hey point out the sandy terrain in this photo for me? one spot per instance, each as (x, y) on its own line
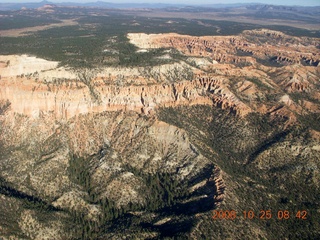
(218, 17)
(29, 30)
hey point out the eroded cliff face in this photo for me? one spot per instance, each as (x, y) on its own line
(67, 98)
(119, 148)
(255, 43)
(35, 86)
(80, 146)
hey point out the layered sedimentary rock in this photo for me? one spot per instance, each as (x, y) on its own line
(220, 186)
(32, 96)
(226, 48)
(34, 86)
(76, 138)
(221, 49)
(68, 102)
(296, 78)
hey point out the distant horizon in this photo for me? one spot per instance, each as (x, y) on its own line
(185, 2)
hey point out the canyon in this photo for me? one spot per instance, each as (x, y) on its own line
(149, 151)
(34, 85)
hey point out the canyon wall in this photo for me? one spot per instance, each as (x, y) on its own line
(34, 86)
(237, 49)
(31, 98)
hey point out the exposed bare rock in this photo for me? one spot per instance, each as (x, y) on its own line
(220, 187)
(216, 47)
(153, 144)
(122, 131)
(74, 201)
(14, 65)
(47, 8)
(297, 78)
(65, 101)
(226, 49)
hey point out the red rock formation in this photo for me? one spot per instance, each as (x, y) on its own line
(220, 186)
(32, 94)
(296, 78)
(31, 98)
(224, 49)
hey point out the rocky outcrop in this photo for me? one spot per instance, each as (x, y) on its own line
(220, 187)
(34, 86)
(296, 78)
(65, 101)
(221, 49)
(14, 65)
(72, 140)
(281, 47)
(117, 143)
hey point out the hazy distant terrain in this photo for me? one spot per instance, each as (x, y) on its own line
(159, 121)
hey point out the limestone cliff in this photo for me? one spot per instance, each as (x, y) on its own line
(85, 151)
(230, 48)
(67, 98)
